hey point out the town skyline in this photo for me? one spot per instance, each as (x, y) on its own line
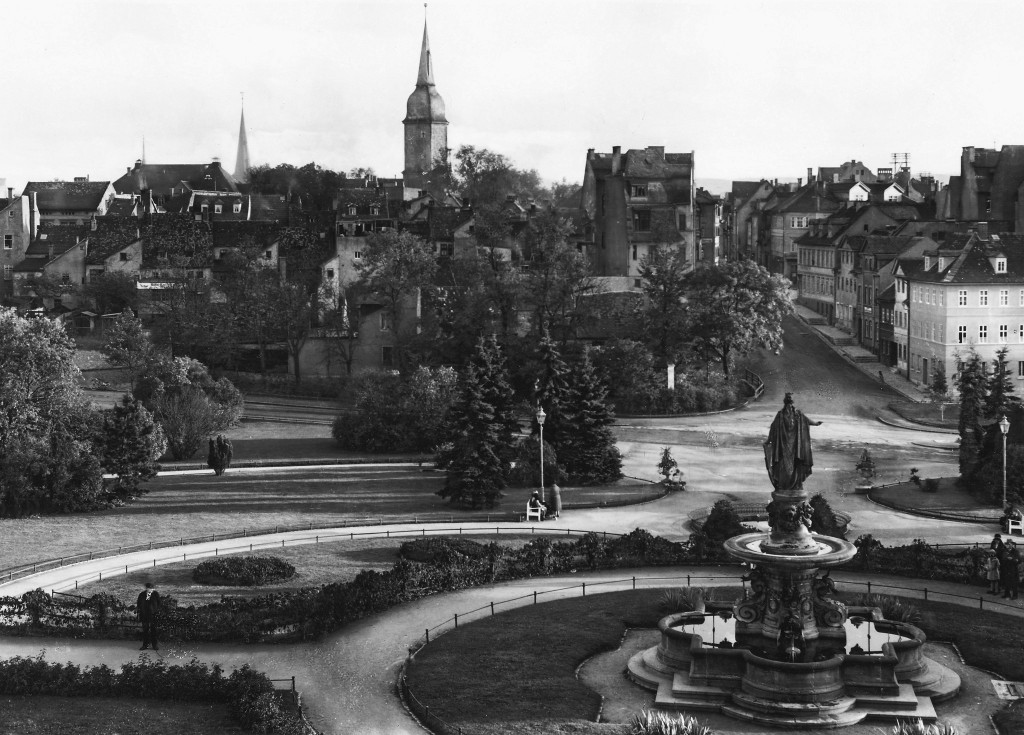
(331, 85)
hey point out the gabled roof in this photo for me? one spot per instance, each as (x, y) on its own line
(160, 178)
(268, 207)
(112, 234)
(121, 207)
(57, 239)
(973, 256)
(236, 234)
(807, 199)
(67, 195)
(654, 163)
(743, 190)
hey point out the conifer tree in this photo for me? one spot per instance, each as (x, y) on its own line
(587, 446)
(552, 391)
(1000, 387)
(970, 382)
(478, 460)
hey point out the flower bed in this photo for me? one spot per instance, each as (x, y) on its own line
(243, 571)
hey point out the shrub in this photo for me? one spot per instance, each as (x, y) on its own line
(823, 519)
(219, 457)
(664, 723)
(891, 608)
(243, 571)
(903, 727)
(683, 599)
(432, 550)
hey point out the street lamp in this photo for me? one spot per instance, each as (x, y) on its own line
(540, 422)
(1004, 426)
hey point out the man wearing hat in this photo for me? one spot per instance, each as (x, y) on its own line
(147, 607)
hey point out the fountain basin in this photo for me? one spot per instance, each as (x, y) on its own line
(830, 552)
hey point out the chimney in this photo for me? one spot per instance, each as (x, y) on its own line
(810, 175)
(983, 230)
(92, 223)
(10, 192)
(616, 160)
(799, 183)
(34, 215)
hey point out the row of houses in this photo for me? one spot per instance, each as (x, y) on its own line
(917, 273)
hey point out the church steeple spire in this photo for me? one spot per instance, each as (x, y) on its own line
(426, 134)
(242, 163)
(426, 73)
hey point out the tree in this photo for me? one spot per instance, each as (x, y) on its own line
(478, 461)
(558, 278)
(999, 388)
(395, 267)
(126, 344)
(112, 292)
(188, 417)
(220, 454)
(586, 446)
(667, 466)
(486, 177)
(552, 392)
(47, 461)
(938, 388)
(970, 383)
(663, 271)
(130, 444)
(342, 322)
(733, 307)
(297, 308)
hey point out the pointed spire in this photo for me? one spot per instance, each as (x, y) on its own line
(426, 74)
(242, 164)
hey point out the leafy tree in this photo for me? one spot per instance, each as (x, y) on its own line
(47, 460)
(130, 444)
(396, 267)
(251, 286)
(668, 467)
(526, 472)
(112, 292)
(970, 382)
(586, 446)
(126, 344)
(999, 388)
(939, 387)
(627, 367)
(558, 278)
(297, 308)
(188, 417)
(733, 307)
(342, 321)
(487, 177)
(311, 185)
(663, 271)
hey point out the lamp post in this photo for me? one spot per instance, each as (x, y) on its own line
(540, 422)
(1004, 426)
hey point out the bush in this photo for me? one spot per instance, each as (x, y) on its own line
(219, 457)
(664, 723)
(243, 571)
(441, 549)
(823, 519)
(903, 727)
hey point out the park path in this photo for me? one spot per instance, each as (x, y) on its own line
(348, 678)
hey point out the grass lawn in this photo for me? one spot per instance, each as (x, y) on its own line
(315, 564)
(506, 673)
(112, 716)
(195, 505)
(948, 497)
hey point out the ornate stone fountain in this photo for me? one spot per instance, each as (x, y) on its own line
(788, 654)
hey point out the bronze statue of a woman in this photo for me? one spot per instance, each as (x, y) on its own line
(787, 453)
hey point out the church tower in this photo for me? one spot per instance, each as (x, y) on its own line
(242, 164)
(426, 128)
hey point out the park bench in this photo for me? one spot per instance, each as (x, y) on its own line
(534, 513)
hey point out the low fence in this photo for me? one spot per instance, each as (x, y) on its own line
(436, 724)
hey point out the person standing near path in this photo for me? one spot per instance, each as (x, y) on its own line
(999, 549)
(1011, 571)
(147, 607)
(992, 572)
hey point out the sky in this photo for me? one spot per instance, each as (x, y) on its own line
(758, 89)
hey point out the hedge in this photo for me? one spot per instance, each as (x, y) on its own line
(248, 692)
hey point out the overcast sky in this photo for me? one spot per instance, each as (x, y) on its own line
(757, 89)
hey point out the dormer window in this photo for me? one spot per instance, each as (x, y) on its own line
(638, 191)
(352, 211)
(1000, 265)
(237, 207)
(217, 208)
(204, 207)
(375, 210)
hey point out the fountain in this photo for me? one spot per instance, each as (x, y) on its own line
(788, 654)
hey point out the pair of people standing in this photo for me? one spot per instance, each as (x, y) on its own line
(1002, 568)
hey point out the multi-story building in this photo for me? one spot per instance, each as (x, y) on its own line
(637, 200)
(70, 202)
(988, 188)
(17, 228)
(744, 203)
(966, 294)
(709, 217)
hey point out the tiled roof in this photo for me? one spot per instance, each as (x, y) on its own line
(237, 234)
(973, 264)
(160, 178)
(807, 199)
(743, 190)
(67, 195)
(444, 221)
(123, 208)
(653, 163)
(268, 206)
(59, 238)
(112, 234)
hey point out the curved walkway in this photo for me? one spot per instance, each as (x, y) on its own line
(348, 678)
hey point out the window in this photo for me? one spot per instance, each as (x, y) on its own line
(218, 208)
(357, 255)
(374, 210)
(387, 357)
(680, 221)
(268, 254)
(385, 322)
(352, 211)
(204, 207)
(983, 297)
(983, 333)
(798, 222)
(634, 252)
(447, 249)
(8, 242)
(1004, 297)
(237, 207)
(963, 297)
(1001, 265)
(330, 274)
(1003, 332)
(638, 190)
(1020, 368)
(642, 220)
(123, 257)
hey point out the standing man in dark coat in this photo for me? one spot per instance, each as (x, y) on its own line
(787, 453)
(147, 607)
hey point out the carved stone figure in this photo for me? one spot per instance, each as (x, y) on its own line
(828, 611)
(787, 453)
(786, 518)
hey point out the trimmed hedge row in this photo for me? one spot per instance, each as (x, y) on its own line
(243, 571)
(248, 692)
(312, 612)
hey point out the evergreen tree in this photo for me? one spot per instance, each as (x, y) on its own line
(970, 382)
(479, 458)
(587, 446)
(131, 442)
(1000, 386)
(220, 454)
(552, 391)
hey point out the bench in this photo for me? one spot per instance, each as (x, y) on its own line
(1015, 524)
(534, 513)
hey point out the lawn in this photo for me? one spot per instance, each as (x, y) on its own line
(516, 672)
(948, 498)
(112, 716)
(186, 506)
(315, 564)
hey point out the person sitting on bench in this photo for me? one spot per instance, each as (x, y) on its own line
(535, 503)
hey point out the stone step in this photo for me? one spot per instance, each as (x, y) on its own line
(789, 721)
(906, 699)
(793, 709)
(638, 670)
(864, 358)
(683, 687)
(925, 710)
(936, 681)
(666, 698)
